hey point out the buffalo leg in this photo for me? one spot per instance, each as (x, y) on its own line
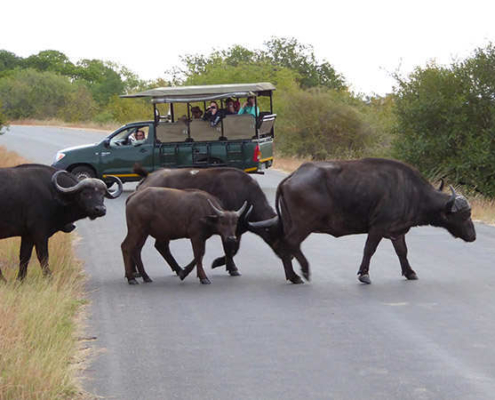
(136, 256)
(372, 243)
(187, 270)
(230, 251)
(42, 254)
(198, 246)
(290, 275)
(228, 259)
(24, 256)
(127, 247)
(164, 249)
(401, 251)
(304, 263)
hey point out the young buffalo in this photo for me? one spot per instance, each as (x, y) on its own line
(168, 214)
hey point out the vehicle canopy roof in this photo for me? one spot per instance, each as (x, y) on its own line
(190, 94)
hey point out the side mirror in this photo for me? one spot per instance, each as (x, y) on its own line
(106, 142)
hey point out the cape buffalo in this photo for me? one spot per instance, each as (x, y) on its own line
(383, 198)
(231, 186)
(38, 201)
(168, 214)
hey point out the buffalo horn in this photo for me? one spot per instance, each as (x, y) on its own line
(248, 213)
(117, 192)
(217, 210)
(74, 189)
(451, 201)
(264, 224)
(242, 209)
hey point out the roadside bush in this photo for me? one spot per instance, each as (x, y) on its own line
(79, 105)
(322, 124)
(128, 110)
(446, 121)
(43, 95)
(3, 120)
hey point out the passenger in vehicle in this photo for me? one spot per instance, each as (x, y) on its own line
(249, 107)
(196, 112)
(229, 107)
(212, 114)
(138, 137)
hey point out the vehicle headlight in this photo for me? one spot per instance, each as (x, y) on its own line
(59, 156)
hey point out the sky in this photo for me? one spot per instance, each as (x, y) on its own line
(365, 41)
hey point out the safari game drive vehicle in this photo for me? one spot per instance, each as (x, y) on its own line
(239, 141)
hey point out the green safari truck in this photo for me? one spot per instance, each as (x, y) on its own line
(243, 141)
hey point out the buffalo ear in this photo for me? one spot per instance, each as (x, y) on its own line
(440, 188)
(210, 220)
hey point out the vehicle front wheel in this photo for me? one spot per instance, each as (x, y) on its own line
(83, 172)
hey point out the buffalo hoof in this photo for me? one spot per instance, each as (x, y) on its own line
(136, 275)
(133, 281)
(182, 275)
(365, 278)
(412, 276)
(147, 279)
(307, 275)
(218, 262)
(235, 273)
(205, 281)
(296, 280)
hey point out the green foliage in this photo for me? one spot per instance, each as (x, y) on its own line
(128, 110)
(8, 61)
(31, 94)
(289, 53)
(445, 120)
(322, 123)
(279, 54)
(50, 60)
(3, 120)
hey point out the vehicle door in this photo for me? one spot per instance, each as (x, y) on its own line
(125, 148)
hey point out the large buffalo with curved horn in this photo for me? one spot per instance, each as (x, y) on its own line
(38, 201)
(383, 198)
(169, 214)
(231, 186)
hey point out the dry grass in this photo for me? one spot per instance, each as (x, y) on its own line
(38, 342)
(288, 164)
(107, 127)
(483, 209)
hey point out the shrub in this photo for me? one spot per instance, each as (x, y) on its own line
(446, 121)
(321, 124)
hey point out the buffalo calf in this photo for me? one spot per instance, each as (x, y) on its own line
(168, 214)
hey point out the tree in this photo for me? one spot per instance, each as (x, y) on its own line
(42, 95)
(50, 60)
(3, 120)
(278, 54)
(289, 53)
(8, 62)
(101, 78)
(323, 123)
(446, 120)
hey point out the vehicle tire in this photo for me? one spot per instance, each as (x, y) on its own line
(83, 172)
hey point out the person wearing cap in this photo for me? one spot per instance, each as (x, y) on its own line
(249, 107)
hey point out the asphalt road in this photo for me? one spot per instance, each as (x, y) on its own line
(258, 337)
